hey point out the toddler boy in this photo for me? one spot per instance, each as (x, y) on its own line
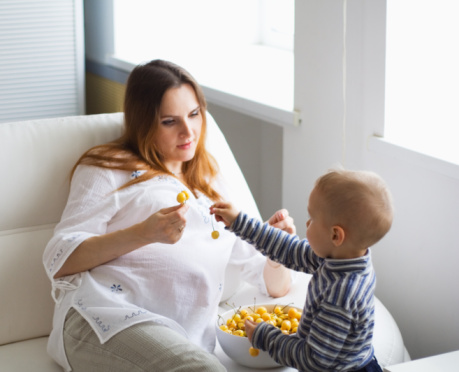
(349, 211)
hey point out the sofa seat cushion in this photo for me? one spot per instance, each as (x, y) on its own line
(27, 355)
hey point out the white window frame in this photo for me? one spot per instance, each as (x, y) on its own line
(374, 53)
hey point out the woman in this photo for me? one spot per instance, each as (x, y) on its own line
(137, 278)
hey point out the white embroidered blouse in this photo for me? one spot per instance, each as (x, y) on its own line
(177, 285)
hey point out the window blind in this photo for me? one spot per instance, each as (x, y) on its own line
(41, 59)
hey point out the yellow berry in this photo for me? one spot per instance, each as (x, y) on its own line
(239, 333)
(215, 234)
(254, 352)
(243, 313)
(181, 197)
(266, 316)
(261, 310)
(224, 327)
(286, 325)
(292, 312)
(298, 315)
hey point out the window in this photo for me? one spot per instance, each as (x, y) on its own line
(277, 25)
(422, 76)
(241, 48)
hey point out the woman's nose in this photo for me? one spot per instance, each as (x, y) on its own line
(186, 128)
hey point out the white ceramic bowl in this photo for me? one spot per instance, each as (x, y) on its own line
(237, 348)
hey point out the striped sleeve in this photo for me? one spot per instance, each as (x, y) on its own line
(278, 245)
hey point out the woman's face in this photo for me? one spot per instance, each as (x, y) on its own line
(180, 123)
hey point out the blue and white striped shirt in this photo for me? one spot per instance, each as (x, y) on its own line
(336, 327)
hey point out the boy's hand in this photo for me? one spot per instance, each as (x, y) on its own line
(249, 328)
(224, 212)
(283, 221)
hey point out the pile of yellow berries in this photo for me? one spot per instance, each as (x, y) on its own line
(286, 320)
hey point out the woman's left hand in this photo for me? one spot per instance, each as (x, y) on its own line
(283, 221)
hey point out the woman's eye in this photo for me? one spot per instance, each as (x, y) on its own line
(167, 122)
(195, 113)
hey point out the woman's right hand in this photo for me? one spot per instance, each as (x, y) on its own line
(165, 226)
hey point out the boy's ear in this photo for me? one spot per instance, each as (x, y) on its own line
(338, 235)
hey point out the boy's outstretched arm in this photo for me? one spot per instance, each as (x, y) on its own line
(224, 212)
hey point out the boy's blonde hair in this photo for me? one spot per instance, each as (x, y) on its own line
(359, 202)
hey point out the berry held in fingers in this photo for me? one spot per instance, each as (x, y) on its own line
(183, 196)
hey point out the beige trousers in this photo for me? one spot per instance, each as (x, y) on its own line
(139, 348)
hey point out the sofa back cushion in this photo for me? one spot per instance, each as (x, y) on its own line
(36, 158)
(35, 161)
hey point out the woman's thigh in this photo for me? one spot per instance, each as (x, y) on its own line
(139, 348)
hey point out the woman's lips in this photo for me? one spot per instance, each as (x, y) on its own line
(185, 146)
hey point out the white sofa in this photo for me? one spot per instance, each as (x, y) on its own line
(35, 161)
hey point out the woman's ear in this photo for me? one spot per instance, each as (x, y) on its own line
(338, 235)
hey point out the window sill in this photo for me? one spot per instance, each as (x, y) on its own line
(384, 147)
(268, 97)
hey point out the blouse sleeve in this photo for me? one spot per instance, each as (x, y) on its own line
(91, 204)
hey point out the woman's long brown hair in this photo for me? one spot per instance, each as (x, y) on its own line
(135, 149)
